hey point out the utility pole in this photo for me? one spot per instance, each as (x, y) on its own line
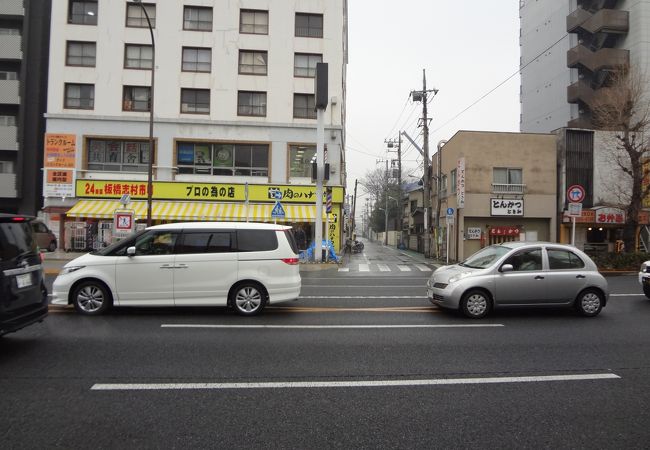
(421, 96)
(354, 208)
(400, 208)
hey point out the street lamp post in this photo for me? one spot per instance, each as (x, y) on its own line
(151, 152)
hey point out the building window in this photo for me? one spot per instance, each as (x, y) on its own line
(197, 18)
(117, 155)
(304, 106)
(304, 64)
(4, 31)
(135, 16)
(309, 25)
(8, 75)
(453, 181)
(7, 121)
(138, 56)
(79, 96)
(507, 180)
(301, 158)
(197, 59)
(136, 98)
(251, 103)
(195, 101)
(252, 21)
(80, 53)
(223, 159)
(82, 12)
(252, 62)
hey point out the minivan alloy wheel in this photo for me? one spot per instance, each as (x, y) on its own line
(248, 299)
(91, 298)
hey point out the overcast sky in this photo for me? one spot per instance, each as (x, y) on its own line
(467, 48)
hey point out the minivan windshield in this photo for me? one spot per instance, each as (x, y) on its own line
(16, 239)
(108, 251)
(485, 257)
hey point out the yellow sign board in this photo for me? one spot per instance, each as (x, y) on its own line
(171, 190)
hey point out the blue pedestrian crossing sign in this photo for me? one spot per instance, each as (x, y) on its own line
(278, 211)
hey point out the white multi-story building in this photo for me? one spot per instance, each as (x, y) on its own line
(233, 106)
(568, 50)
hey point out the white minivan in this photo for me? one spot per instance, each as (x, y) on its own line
(241, 265)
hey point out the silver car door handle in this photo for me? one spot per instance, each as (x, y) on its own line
(539, 277)
(580, 276)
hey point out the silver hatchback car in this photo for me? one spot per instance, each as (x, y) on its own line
(520, 274)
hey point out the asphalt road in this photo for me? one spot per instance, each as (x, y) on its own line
(361, 360)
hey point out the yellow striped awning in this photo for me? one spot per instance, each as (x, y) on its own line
(171, 210)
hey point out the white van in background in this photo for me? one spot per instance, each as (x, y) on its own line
(241, 265)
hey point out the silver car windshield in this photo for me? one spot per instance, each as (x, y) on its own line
(485, 257)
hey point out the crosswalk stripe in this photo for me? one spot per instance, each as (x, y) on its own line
(423, 268)
(364, 267)
(344, 269)
(404, 268)
(383, 268)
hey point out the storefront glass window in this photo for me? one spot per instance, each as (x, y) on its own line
(117, 156)
(301, 158)
(222, 159)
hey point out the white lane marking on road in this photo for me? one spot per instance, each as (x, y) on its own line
(362, 296)
(423, 268)
(347, 384)
(344, 269)
(329, 327)
(364, 286)
(404, 268)
(383, 268)
(364, 267)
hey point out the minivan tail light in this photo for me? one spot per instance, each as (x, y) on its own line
(18, 219)
(291, 261)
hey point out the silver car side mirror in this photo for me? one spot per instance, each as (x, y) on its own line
(130, 251)
(507, 268)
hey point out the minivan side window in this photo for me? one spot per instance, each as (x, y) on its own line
(157, 242)
(564, 259)
(256, 240)
(205, 242)
(16, 239)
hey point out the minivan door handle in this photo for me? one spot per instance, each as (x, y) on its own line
(580, 276)
(181, 266)
(166, 266)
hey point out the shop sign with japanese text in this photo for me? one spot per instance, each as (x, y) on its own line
(60, 150)
(610, 215)
(169, 190)
(58, 183)
(505, 231)
(460, 182)
(506, 207)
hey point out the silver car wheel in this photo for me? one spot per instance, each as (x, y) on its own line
(90, 298)
(590, 303)
(248, 300)
(476, 304)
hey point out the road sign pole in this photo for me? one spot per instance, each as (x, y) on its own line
(573, 230)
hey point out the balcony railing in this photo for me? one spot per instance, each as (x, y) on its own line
(8, 185)
(8, 137)
(12, 8)
(501, 188)
(605, 21)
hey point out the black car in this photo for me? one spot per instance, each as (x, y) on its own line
(23, 296)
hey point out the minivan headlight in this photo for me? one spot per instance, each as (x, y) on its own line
(460, 276)
(70, 269)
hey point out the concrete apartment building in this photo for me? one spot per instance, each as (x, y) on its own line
(568, 49)
(24, 35)
(498, 187)
(235, 126)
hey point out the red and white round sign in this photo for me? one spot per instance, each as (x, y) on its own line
(575, 193)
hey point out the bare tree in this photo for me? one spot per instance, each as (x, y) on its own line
(623, 108)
